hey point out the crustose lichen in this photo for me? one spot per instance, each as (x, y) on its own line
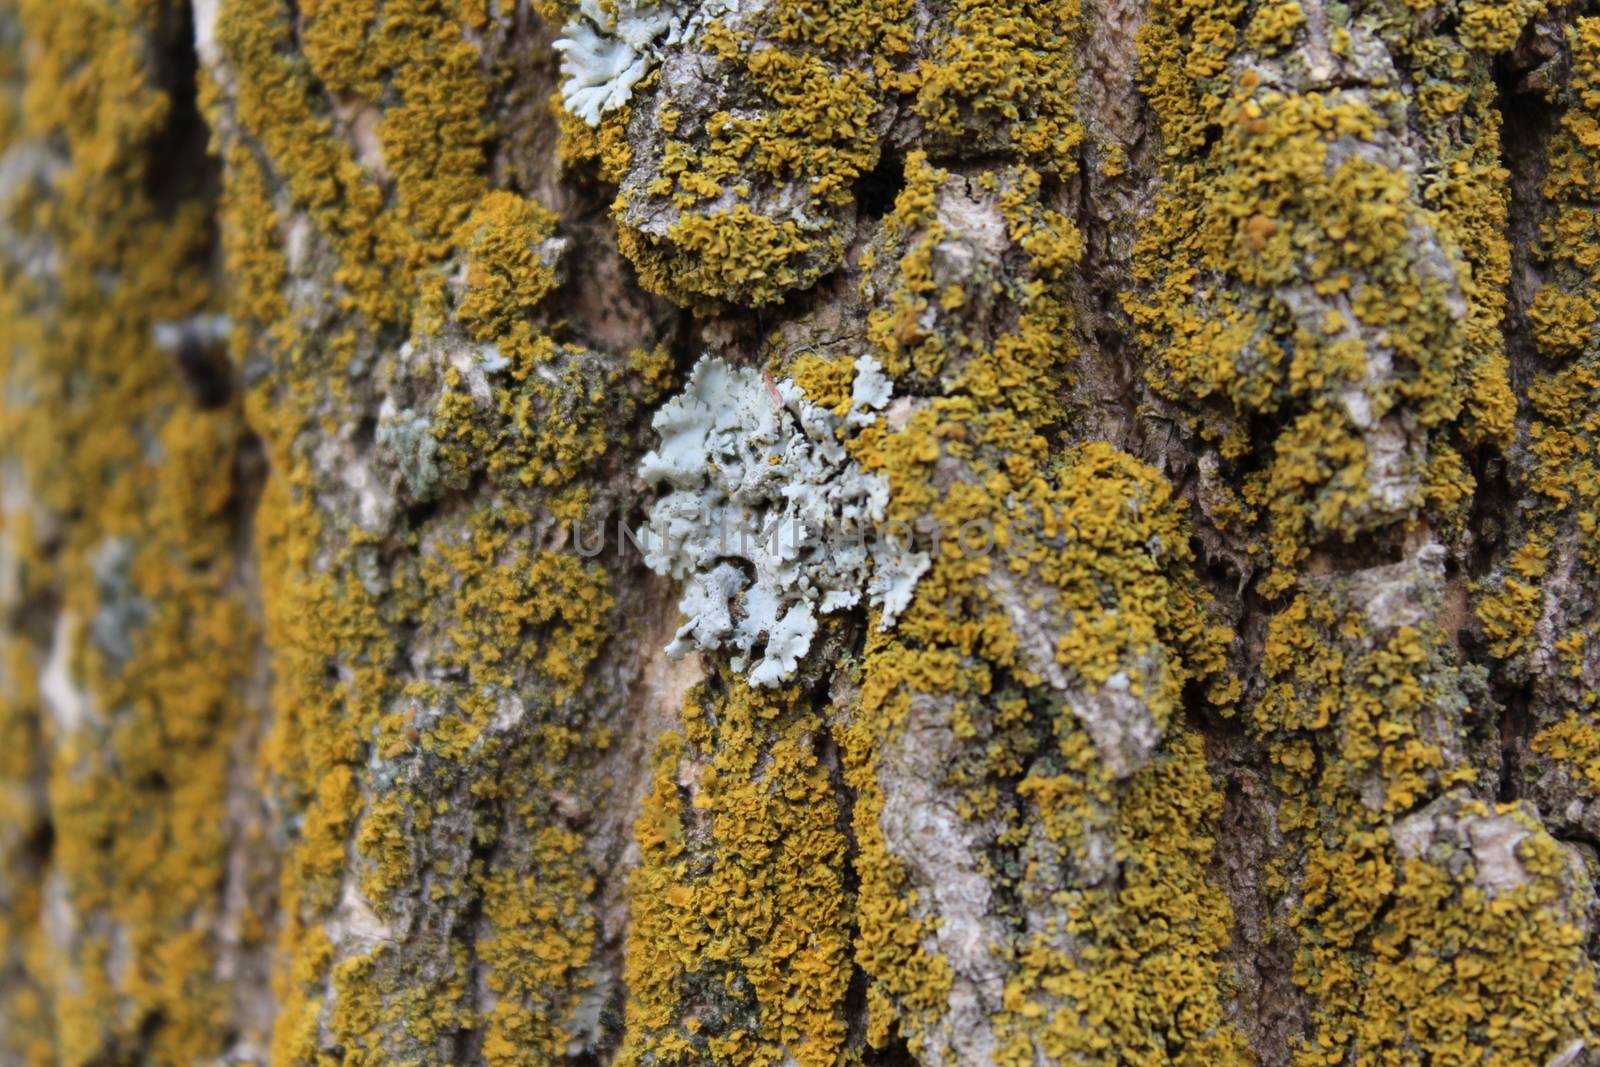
(769, 521)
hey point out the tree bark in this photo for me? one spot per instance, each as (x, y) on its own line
(1227, 377)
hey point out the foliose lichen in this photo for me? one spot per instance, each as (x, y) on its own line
(430, 430)
(1325, 323)
(769, 520)
(606, 49)
(118, 532)
(738, 948)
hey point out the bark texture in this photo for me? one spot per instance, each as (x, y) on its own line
(1243, 364)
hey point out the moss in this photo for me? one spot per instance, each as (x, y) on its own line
(1295, 263)
(252, 256)
(1372, 693)
(737, 254)
(276, 103)
(484, 602)
(1002, 73)
(1406, 955)
(926, 344)
(24, 1009)
(1150, 948)
(390, 217)
(1575, 742)
(825, 382)
(574, 400)
(1495, 27)
(495, 595)
(543, 938)
(1508, 610)
(954, 646)
(506, 279)
(799, 124)
(1326, 322)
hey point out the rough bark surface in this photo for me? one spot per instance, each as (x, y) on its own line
(1239, 416)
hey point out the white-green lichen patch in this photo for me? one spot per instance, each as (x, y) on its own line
(606, 50)
(768, 521)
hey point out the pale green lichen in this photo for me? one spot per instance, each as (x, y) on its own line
(605, 51)
(433, 671)
(768, 519)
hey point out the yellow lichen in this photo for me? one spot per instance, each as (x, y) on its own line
(1277, 218)
(739, 944)
(109, 442)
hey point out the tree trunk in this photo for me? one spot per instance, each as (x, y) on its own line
(1215, 387)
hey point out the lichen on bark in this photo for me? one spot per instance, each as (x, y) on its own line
(1224, 373)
